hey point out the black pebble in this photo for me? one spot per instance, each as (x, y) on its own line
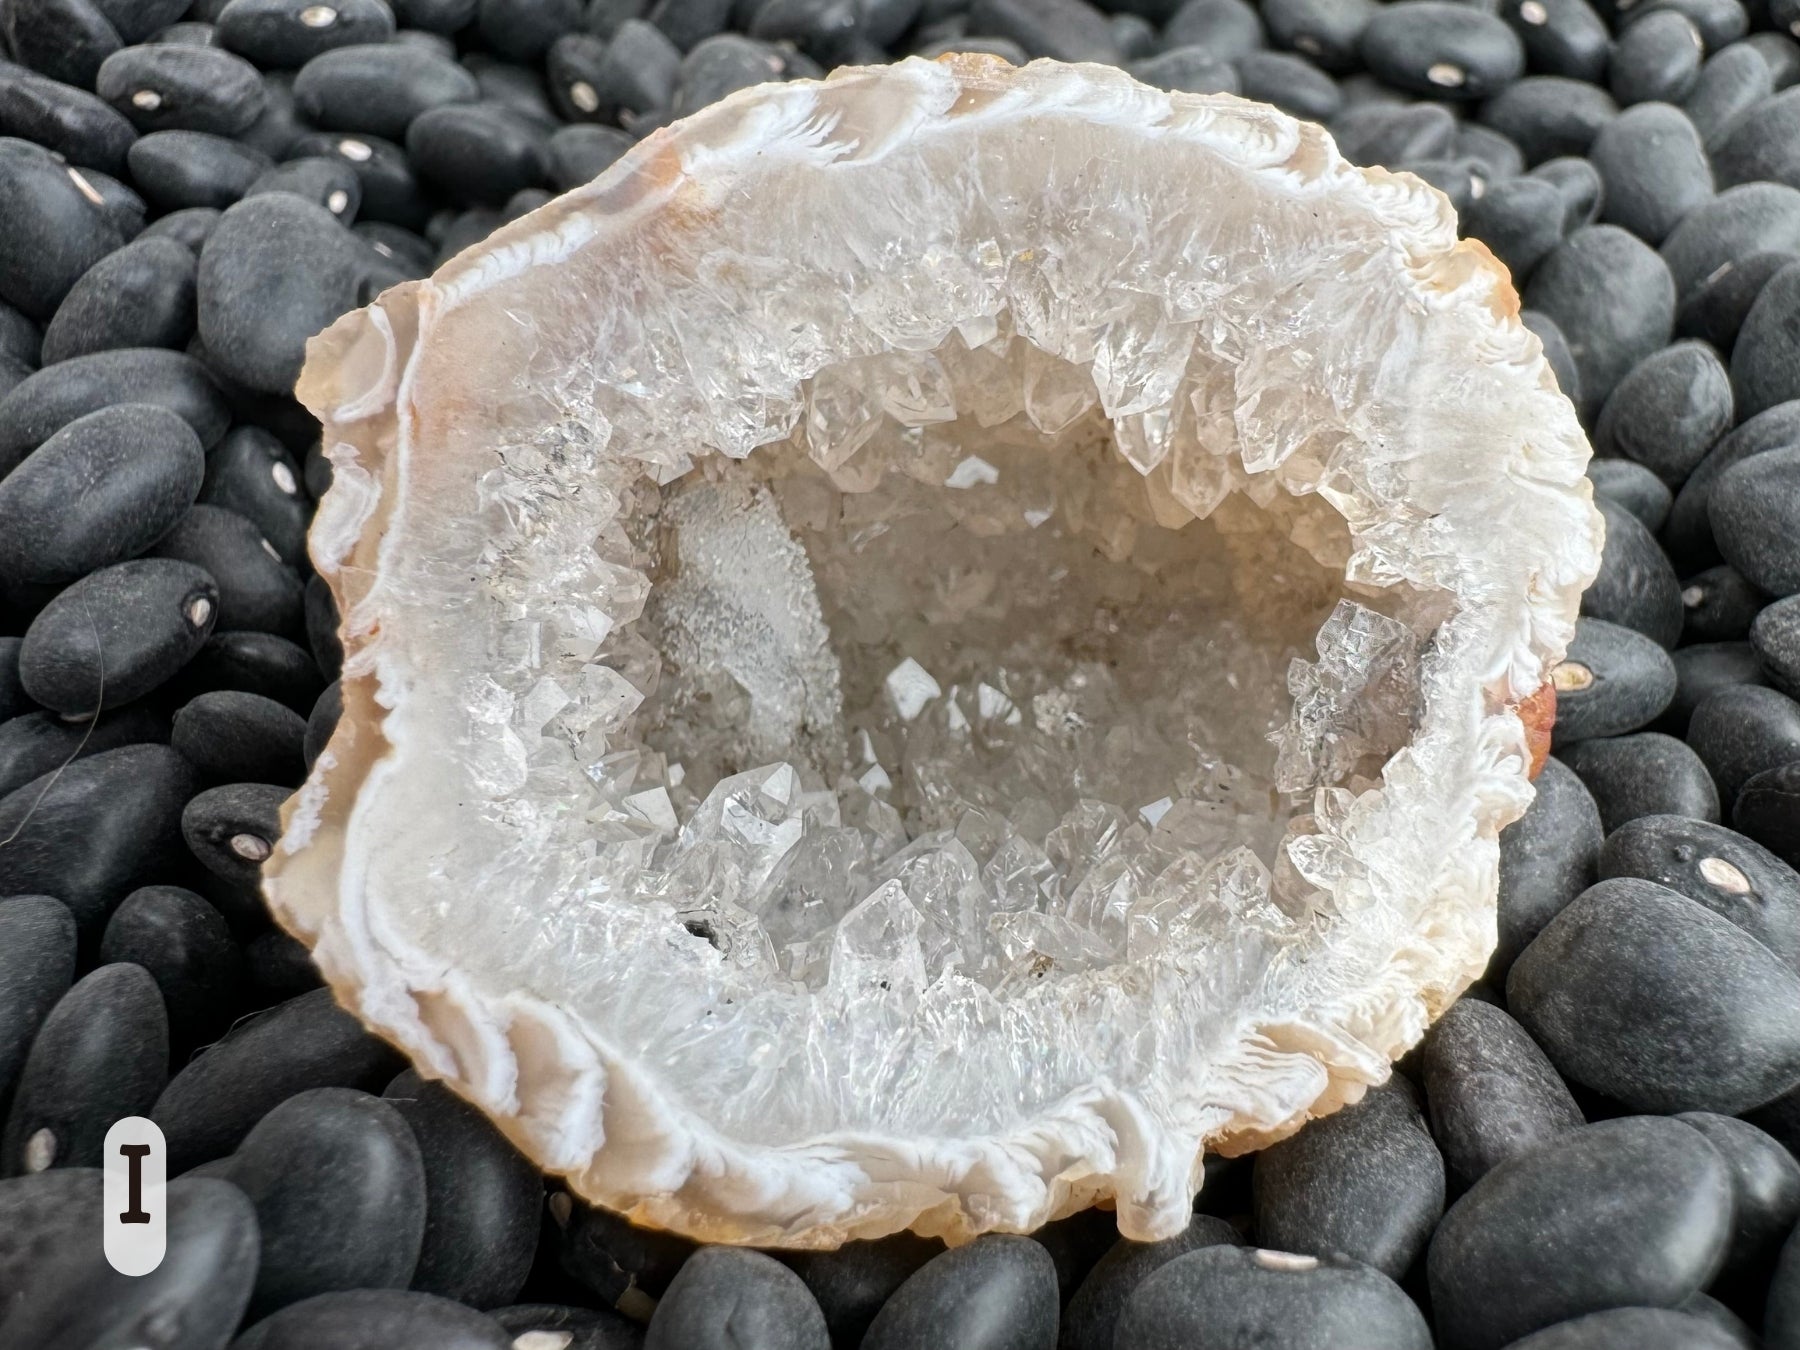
(1240, 1298)
(1444, 50)
(483, 1200)
(188, 227)
(241, 737)
(1716, 310)
(1327, 32)
(1737, 224)
(70, 121)
(1765, 360)
(379, 89)
(307, 1042)
(257, 310)
(1632, 486)
(1743, 730)
(1612, 680)
(1656, 59)
(1730, 83)
(186, 947)
(141, 296)
(1492, 1093)
(1654, 168)
(55, 231)
(179, 170)
(1639, 993)
(95, 830)
(439, 18)
(588, 1328)
(725, 1297)
(1063, 30)
(1389, 133)
(1548, 116)
(136, 20)
(64, 39)
(1700, 671)
(1189, 70)
(117, 634)
(322, 626)
(1612, 297)
(1719, 22)
(613, 1258)
(1688, 535)
(853, 1281)
(1631, 1211)
(1089, 1321)
(1775, 637)
(1636, 587)
(37, 963)
(727, 63)
(1718, 868)
(1366, 1183)
(1561, 37)
(522, 30)
(182, 88)
(256, 589)
(477, 153)
(1633, 1329)
(390, 192)
(1077, 1241)
(1556, 353)
(323, 721)
(280, 966)
(252, 473)
(257, 663)
(35, 743)
(281, 123)
(1547, 858)
(1643, 775)
(286, 34)
(191, 1301)
(1765, 1182)
(375, 1319)
(233, 829)
(996, 1293)
(101, 1054)
(1720, 606)
(339, 1190)
(1781, 1313)
(1763, 146)
(1521, 220)
(1754, 512)
(581, 153)
(635, 77)
(1228, 28)
(323, 180)
(103, 489)
(52, 398)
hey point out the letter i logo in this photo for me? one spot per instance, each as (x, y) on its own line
(135, 1190)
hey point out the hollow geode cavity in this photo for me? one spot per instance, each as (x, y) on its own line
(929, 646)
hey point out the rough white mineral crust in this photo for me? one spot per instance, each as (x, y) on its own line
(930, 645)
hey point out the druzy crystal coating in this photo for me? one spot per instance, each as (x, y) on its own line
(928, 647)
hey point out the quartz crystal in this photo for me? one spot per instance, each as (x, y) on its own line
(929, 647)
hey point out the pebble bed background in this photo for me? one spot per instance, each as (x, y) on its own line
(1594, 1149)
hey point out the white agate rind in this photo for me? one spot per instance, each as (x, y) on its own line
(402, 855)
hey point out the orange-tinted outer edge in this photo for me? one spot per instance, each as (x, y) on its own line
(1538, 713)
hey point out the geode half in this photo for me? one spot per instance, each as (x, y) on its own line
(930, 645)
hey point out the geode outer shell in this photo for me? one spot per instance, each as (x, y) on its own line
(485, 427)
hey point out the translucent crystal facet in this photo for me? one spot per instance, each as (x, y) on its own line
(930, 646)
